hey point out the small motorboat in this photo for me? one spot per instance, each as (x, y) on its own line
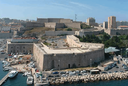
(3, 62)
(7, 68)
(30, 80)
(27, 74)
(13, 73)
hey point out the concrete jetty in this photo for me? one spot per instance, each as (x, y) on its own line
(4, 79)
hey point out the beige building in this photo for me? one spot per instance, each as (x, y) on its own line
(105, 25)
(20, 46)
(78, 54)
(91, 21)
(111, 22)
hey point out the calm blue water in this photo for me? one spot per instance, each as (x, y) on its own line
(19, 80)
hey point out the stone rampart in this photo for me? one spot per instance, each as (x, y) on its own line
(56, 33)
(73, 25)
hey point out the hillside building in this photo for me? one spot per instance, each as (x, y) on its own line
(112, 22)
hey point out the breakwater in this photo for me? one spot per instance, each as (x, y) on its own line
(89, 78)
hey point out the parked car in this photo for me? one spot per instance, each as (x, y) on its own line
(62, 72)
(103, 72)
(55, 72)
(72, 73)
(2, 53)
(37, 75)
(50, 76)
(109, 72)
(116, 71)
(125, 67)
(122, 71)
(64, 75)
(5, 58)
(117, 67)
(77, 71)
(83, 71)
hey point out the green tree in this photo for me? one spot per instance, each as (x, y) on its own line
(69, 29)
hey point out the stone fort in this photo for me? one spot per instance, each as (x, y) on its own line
(54, 23)
(78, 54)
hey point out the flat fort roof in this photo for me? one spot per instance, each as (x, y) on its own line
(48, 50)
(109, 63)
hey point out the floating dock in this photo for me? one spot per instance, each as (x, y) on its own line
(4, 79)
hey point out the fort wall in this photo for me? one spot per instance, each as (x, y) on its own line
(73, 25)
(56, 33)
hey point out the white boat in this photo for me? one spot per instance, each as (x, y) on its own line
(27, 74)
(13, 73)
(29, 80)
(3, 62)
(7, 68)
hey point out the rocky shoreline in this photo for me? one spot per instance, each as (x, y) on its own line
(89, 78)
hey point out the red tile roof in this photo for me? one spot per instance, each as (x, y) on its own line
(124, 26)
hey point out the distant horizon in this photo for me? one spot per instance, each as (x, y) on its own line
(33, 9)
(63, 18)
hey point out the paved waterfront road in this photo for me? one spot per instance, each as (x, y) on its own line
(119, 65)
(2, 56)
(2, 44)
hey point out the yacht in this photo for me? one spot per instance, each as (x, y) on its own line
(3, 62)
(27, 74)
(29, 80)
(7, 68)
(13, 73)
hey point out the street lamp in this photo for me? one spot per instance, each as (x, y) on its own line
(90, 62)
(126, 51)
(59, 64)
(121, 52)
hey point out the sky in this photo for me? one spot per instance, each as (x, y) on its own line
(33, 9)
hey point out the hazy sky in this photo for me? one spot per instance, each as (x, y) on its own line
(31, 9)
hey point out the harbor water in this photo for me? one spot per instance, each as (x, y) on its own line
(19, 80)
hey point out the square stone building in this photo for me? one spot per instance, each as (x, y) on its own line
(77, 54)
